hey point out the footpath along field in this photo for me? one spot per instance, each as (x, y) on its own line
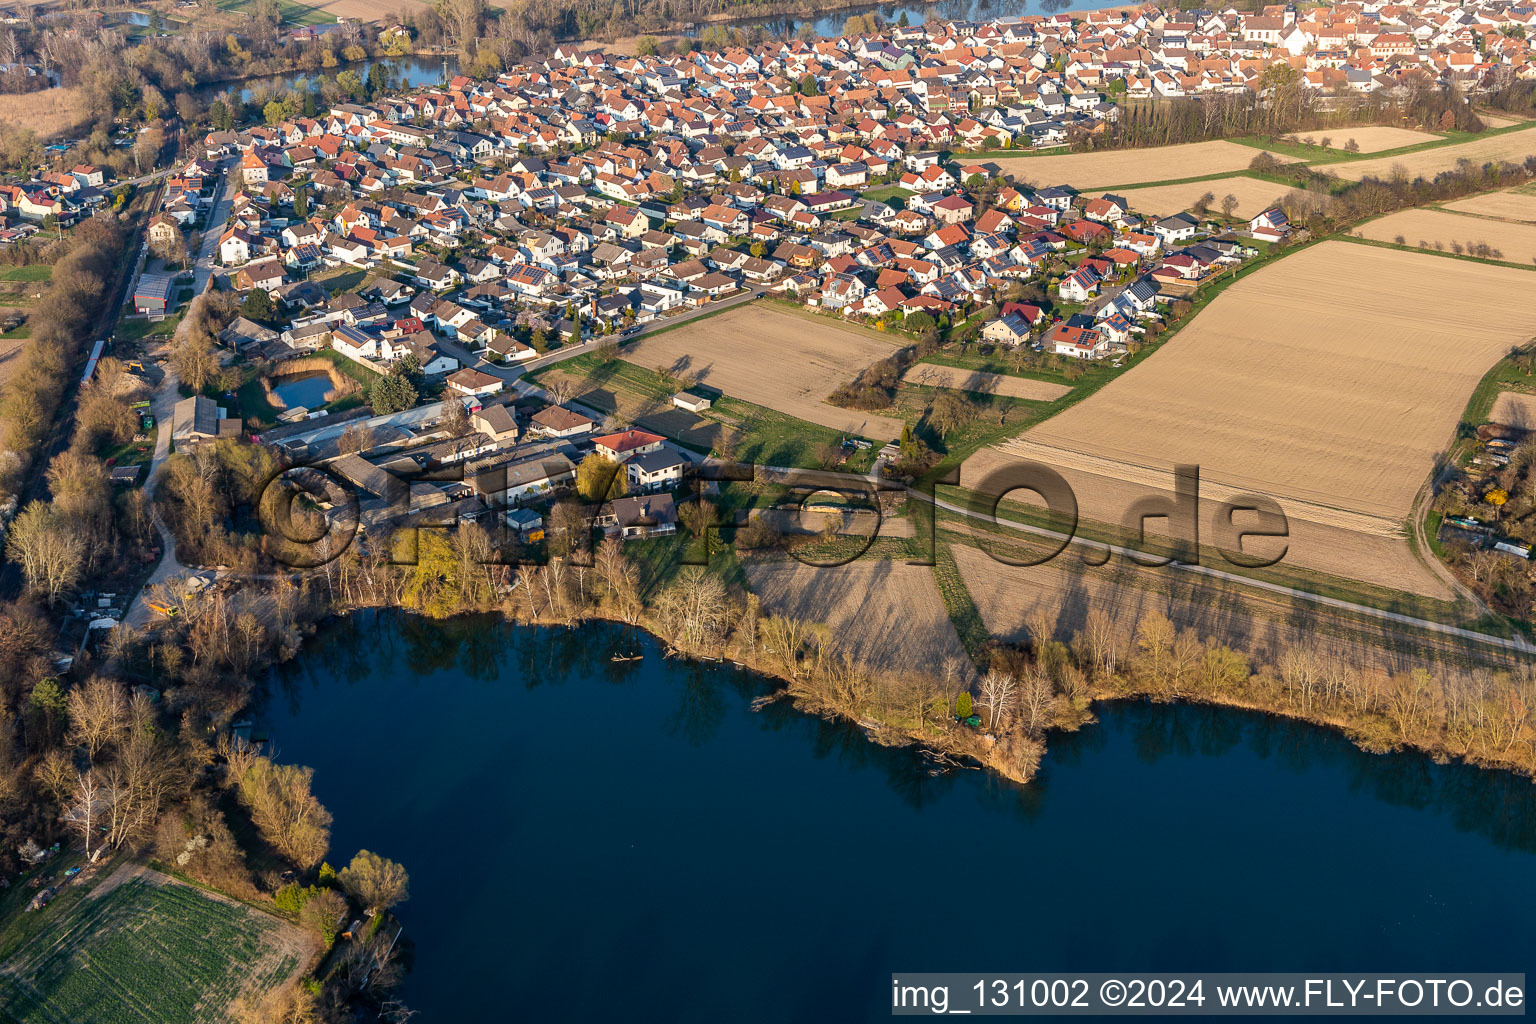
(1331, 399)
(144, 947)
(772, 357)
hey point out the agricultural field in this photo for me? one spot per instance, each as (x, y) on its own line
(1113, 167)
(1348, 548)
(142, 947)
(1370, 139)
(1496, 120)
(937, 376)
(1511, 204)
(1253, 195)
(1064, 592)
(1438, 230)
(883, 612)
(1324, 381)
(1514, 409)
(775, 358)
(1426, 163)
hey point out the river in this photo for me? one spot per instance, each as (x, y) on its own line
(590, 840)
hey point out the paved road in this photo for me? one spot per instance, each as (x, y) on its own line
(163, 405)
(208, 251)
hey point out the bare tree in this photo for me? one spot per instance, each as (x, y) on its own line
(86, 807)
(620, 579)
(98, 714)
(695, 610)
(50, 550)
(357, 437)
(1035, 699)
(999, 694)
(455, 419)
(1099, 632)
(56, 774)
(560, 390)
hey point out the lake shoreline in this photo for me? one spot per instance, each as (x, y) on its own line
(970, 746)
(689, 810)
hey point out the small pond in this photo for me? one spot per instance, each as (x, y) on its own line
(303, 389)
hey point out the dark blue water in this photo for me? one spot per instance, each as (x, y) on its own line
(599, 841)
(307, 390)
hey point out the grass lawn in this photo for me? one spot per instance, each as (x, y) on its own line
(885, 193)
(137, 328)
(16, 334)
(357, 371)
(129, 453)
(148, 943)
(996, 419)
(341, 279)
(31, 272)
(770, 438)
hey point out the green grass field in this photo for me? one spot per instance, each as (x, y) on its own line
(150, 950)
(31, 272)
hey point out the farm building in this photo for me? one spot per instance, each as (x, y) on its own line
(198, 418)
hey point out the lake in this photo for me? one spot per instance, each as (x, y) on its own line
(405, 73)
(590, 840)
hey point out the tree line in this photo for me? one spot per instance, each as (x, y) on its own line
(61, 322)
(1284, 105)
